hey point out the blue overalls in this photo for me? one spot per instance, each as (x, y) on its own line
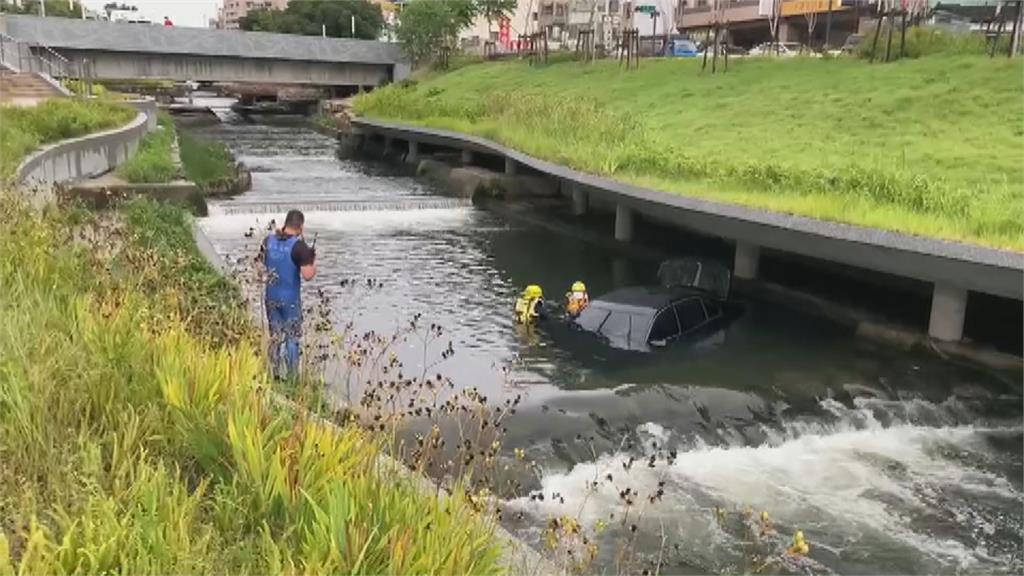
(284, 305)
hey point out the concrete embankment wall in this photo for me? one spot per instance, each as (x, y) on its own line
(79, 158)
(954, 270)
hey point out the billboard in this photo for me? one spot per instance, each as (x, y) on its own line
(798, 7)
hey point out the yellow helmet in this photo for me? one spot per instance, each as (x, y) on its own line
(578, 286)
(533, 291)
(798, 538)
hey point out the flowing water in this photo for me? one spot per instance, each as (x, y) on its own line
(891, 462)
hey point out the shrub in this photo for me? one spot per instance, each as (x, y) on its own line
(153, 162)
(22, 130)
(134, 440)
(925, 41)
(206, 163)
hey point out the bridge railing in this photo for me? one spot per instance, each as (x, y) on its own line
(24, 57)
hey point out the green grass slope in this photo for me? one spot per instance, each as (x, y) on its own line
(929, 146)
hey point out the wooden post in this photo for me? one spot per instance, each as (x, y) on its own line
(878, 30)
(1015, 37)
(903, 33)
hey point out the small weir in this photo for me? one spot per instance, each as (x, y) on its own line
(890, 461)
(307, 205)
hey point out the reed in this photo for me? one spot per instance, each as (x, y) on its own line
(136, 439)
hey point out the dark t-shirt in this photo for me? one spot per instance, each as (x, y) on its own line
(302, 254)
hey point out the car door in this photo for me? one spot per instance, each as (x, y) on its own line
(691, 314)
(665, 327)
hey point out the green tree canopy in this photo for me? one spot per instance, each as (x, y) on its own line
(425, 26)
(495, 10)
(308, 16)
(54, 8)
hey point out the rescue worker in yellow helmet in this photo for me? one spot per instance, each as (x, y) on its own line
(799, 547)
(576, 299)
(530, 305)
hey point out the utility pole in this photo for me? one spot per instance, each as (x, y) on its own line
(42, 8)
(353, 25)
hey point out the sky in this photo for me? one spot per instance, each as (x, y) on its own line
(194, 13)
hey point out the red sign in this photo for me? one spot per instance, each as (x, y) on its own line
(505, 32)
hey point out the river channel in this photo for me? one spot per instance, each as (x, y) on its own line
(890, 462)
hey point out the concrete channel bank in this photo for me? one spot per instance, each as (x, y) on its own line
(953, 269)
(75, 159)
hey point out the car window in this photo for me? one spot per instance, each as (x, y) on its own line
(690, 313)
(665, 326)
(712, 308)
(591, 318)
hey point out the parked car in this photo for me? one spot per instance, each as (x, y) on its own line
(732, 51)
(784, 49)
(851, 44)
(683, 48)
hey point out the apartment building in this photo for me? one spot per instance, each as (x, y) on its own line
(231, 11)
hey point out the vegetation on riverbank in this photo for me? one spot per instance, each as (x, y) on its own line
(929, 146)
(154, 161)
(205, 162)
(24, 129)
(138, 435)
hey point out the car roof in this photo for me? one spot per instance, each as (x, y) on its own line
(643, 298)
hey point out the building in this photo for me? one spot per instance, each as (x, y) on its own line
(801, 21)
(560, 19)
(231, 11)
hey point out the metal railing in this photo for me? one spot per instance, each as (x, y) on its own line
(24, 57)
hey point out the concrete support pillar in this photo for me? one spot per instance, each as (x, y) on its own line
(510, 166)
(414, 152)
(621, 275)
(949, 306)
(747, 260)
(467, 157)
(623, 223)
(580, 200)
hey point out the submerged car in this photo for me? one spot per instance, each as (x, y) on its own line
(691, 302)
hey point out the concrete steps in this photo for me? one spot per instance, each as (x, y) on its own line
(25, 88)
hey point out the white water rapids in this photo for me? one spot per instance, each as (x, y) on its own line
(928, 496)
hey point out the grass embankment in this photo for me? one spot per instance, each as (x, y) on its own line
(928, 146)
(22, 130)
(206, 163)
(137, 436)
(154, 161)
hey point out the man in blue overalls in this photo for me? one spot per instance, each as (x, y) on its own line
(287, 258)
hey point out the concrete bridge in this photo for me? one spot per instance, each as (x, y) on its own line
(117, 50)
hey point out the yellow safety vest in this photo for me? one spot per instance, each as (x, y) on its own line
(576, 304)
(526, 309)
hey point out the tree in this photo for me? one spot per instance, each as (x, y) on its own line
(54, 8)
(426, 26)
(495, 11)
(111, 6)
(312, 18)
(812, 22)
